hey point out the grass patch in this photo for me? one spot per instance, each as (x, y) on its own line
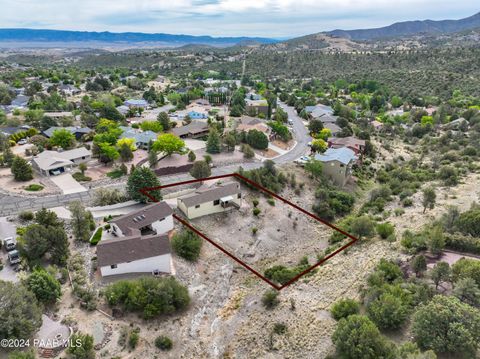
(34, 187)
(116, 173)
(81, 177)
(97, 236)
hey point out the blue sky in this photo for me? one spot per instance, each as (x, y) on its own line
(266, 18)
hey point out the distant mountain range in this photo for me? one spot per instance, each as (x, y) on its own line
(32, 36)
(409, 28)
(336, 39)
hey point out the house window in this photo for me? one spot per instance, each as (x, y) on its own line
(83, 157)
(113, 266)
(197, 206)
(239, 195)
(216, 202)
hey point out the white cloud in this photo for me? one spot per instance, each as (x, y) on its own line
(224, 17)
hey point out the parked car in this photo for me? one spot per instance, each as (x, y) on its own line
(302, 160)
(23, 141)
(9, 244)
(14, 257)
(290, 121)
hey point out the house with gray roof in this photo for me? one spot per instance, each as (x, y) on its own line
(136, 103)
(19, 102)
(220, 197)
(143, 139)
(337, 164)
(140, 244)
(51, 163)
(78, 132)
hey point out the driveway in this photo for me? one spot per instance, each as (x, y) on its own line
(195, 145)
(67, 183)
(7, 229)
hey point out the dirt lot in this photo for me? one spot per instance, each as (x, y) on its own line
(284, 234)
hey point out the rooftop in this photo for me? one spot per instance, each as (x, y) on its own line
(207, 194)
(131, 223)
(343, 155)
(128, 249)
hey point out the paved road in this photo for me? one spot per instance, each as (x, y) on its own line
(12, 204)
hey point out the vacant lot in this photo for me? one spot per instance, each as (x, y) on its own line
(278, 235)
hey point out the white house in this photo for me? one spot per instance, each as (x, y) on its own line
(51, 163)
(155, 218)
(128, 255)
(218, 198)
(142, 244)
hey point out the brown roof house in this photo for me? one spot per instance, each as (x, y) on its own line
(194, 129)
(141, 244)
(247, 123)
(220, 197)
(353, 143)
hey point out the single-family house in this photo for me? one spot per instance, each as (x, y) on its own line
(218, 198)
(78, 132)
(136, 103)
(256, 106)
(8, 131)
(59, 115)
(142, 244)
(319, 110)
(155, 218)
(68, 90)
(143, 139)
(337, 164)
(20, 102)
(194, 129)
(123, 109)
(51, 163)
(353, 143)
(134, 255)
(247, 123)
(195, 115)
(334, 129)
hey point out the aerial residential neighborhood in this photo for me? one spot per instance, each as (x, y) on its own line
(256, 192)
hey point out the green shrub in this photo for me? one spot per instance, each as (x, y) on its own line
(163, 342)
(80, 177)
(344, 307)
(254, 230)
(96, 237)
(34, 187)
(270, 299)
(255, 202)
(256, 211)
(385, 230)
(26, 216)
(133, 339)
(187, 245)
(116, 173)
(150, 296)
(407, 202)
(271, 201)
(279, 328)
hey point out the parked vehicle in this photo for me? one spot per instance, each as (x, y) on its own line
(290, 121)
(23, 141)
(14, 257)
(9, 244)
(302, 160)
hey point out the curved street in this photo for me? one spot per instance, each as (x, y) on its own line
(13, 204)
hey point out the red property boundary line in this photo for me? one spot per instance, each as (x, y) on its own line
(145, 191)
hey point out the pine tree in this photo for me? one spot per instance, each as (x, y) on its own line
(21, 169)
(213, 142)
